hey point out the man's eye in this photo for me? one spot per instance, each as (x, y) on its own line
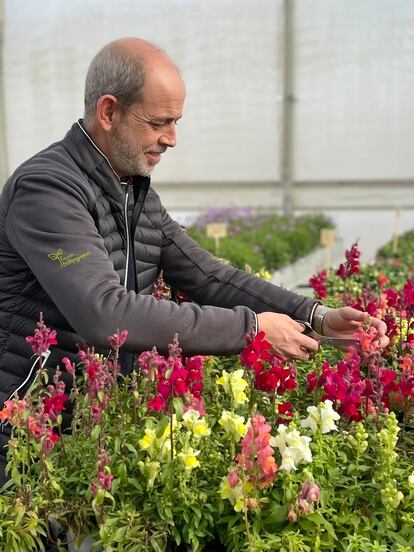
(157, 125)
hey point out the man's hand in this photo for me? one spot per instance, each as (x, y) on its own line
(343, 322)
(286, 336)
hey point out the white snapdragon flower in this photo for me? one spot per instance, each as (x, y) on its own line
(322, 416)
(292, 446)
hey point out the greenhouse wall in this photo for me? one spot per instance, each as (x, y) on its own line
(352, 67)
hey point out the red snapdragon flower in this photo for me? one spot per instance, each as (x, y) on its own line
(271, 373)
(392, 297)
(318, 283)
(351, 265)
(285, 413)
(382, 280)
(257, 351)
(49, 441)
(54, 404)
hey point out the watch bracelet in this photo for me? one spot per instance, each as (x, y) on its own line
(318, 319)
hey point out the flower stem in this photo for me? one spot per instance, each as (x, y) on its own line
(171, 429)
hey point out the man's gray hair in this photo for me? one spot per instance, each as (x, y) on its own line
(117, 72)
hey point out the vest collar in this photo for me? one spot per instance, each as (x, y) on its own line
(95, 164)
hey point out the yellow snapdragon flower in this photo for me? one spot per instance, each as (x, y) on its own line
(148, 442)
(157, 448)
(149, 470)
(190, 458)
(237, 494)
(198, 426)
(233, 424)
(263, 273)
(234, 385)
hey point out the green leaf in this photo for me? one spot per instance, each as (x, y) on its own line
(176, 535)
(122, 471)
(277, 517)
(324, 498)
(131, 448)
(156, 546)
(161, 426)
(397, 538)
(95, 433)
(178, 407)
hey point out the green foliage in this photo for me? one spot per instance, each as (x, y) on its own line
(359, 470)
(263, 240)
(168, 479)
(403, 250)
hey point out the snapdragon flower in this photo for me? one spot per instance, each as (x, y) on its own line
(189, 457)
(196, 424)
(321, 417)
(256, 457)
(234, 385)
(150, 470)
(157, 448)
(233, 424)
(293, 447)
(237, 493)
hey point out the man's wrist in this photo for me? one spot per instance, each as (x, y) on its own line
(318, 318)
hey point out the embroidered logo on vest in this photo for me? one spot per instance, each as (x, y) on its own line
(67, 259)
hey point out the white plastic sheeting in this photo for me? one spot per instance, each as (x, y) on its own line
(355, 87)
(353, 66)
(227, 51)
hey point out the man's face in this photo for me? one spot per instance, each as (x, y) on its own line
(141, 135)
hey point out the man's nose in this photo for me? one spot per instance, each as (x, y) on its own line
(168, 137)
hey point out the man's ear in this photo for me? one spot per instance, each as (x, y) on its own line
(105, 111)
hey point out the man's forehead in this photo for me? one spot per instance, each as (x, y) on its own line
(163, 88)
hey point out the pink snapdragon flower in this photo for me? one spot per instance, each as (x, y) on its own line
(43, 338)
(256, 457)
(118, 339)
(175, 376)
(104, 475)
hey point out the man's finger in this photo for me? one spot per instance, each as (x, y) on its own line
(309, 344)
(303, 354)
(379, 325)
(350, 313)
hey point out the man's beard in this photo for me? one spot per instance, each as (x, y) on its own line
(128, 157)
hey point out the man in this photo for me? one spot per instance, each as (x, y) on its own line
(83, 237)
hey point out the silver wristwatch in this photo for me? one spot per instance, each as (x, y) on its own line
(318, 318)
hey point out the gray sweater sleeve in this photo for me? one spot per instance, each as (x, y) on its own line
(49, 224)
(197, 273)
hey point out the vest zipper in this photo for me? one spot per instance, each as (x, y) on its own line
(127, 233)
